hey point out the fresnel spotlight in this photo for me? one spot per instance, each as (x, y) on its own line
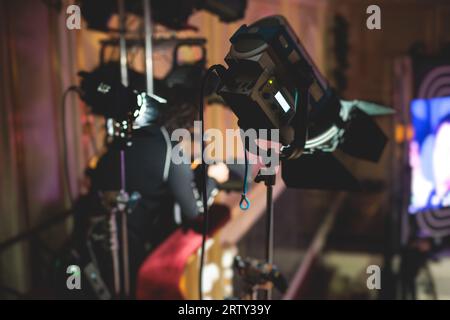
(272, 83)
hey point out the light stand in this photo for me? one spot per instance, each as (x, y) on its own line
(294, 149)
(123, 199)
(269, 182)
(119, 203)
(125, 110)
(271, 82)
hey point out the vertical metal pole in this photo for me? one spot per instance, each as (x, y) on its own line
(269, 247)
(115, 252)
(122, 171)
(123, 43)
(269, 182)
(269, 244)
(125, 255)
(123, 215)
(148, 46)
(123, 212)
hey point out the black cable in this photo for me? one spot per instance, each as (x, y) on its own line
(204, 178)
(33, 231)
(65, 152)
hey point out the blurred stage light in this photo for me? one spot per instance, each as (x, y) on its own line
(173, 14)
(104, 93)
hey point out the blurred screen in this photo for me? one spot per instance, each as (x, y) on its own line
(429, 154)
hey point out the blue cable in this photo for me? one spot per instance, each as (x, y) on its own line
(244, 204)
(296, 99)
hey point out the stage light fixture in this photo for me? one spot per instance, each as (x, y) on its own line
(272, 83)
(102, 90)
